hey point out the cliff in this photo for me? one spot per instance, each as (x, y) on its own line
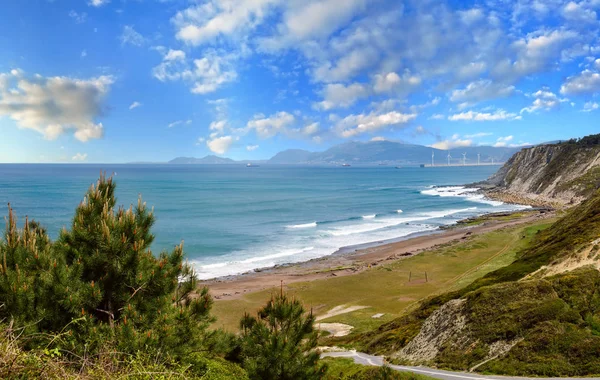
(554, 174)
(539, 316)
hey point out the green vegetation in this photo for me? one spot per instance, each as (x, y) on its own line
(385, 288)
(279, 343)
(98, 304)
(553, 321)
(346, 369)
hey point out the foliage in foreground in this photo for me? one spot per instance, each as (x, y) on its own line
(346, 369)
(97, 303)
(279, 342)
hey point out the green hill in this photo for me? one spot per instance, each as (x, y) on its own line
(539, 315)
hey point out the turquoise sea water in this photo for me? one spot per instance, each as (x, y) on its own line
(234, 219)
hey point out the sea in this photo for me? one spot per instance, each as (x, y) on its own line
(234, 219)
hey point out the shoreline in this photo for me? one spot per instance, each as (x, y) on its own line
(351, 260)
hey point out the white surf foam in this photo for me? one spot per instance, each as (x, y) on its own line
(306, 225)
(399, 211)
(369, 216)
(468, 193)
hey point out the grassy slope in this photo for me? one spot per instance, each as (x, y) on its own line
(346, 369)
(557, 318)
(386, 289)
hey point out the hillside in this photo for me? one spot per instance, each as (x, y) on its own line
(539, 316)
(208, 160)
(389, 152)
(563, 173)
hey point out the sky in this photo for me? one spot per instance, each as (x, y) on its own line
(150, 80)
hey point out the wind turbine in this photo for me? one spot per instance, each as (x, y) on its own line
(464, 158)
(478, 156)
(432, 155)
(449, 157)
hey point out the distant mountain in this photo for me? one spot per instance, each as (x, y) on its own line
(369, 153)
(208, 160)
(388, 152)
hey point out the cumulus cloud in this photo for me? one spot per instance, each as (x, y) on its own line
(544, 100)
(54, 106)
(135, 105)
(79, 157)
(251, 148)
(220, 145)
(481, 90)
(578, 13)
(339, 95)
(586, 82)
(497, 115)
(310, 19)
(205, 75)
(266, 127)
(130, 37)
(590, 106)
(454, 142)
(354, 125)
(202, 23)
(98, 3)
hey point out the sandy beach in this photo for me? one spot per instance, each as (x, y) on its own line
(348, 262)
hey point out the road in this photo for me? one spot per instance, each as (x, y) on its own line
(365, 359)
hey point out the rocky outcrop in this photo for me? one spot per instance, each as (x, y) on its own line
(548, 175)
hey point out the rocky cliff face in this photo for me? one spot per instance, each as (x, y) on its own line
(557, 174)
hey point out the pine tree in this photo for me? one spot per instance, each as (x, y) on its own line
(279, 343)
(29, 273)
(143, 301)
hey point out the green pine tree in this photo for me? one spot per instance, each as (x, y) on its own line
(279, 343)
(143, 301)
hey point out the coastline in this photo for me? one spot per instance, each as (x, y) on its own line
(351, 260)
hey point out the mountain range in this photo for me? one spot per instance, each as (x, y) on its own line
(373, 152)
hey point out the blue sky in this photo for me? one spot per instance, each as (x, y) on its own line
(150, 80)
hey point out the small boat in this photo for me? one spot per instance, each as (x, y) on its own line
(251, 165)
(346, 165)
(398, 167)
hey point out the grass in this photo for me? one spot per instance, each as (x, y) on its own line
(386, 288)
(343, 368)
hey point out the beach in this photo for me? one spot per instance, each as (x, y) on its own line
(348, 262)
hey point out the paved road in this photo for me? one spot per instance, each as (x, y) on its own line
(366, 359)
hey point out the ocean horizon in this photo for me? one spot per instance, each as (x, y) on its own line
(235, 219)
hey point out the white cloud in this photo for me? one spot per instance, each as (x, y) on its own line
(135, 105)
(251, 148)
(339, 95)
(578, 13)
(391, 81)
(220, 145)
(481, 90)
(266, 127)
(590, 106)
(205, 75)
(311, 19)
(54, 106)
(179, 122)
(477, 135)
(585, 83)
(544, 100)
(174, 55)
(437, 116)
(83, 53)
(354, 125)
(484, 116)
(311, 129)
(215, 18)
(218, 126)
(98, 3)
(79, 18)
(378, 138)
(453, 143)
(79, 157)
(131, 37)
